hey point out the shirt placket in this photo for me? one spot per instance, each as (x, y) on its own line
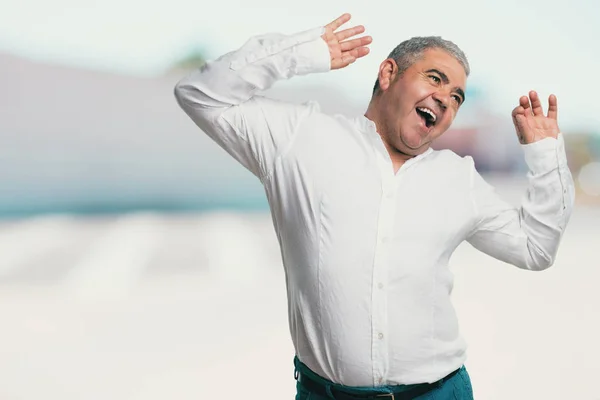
(379, 321)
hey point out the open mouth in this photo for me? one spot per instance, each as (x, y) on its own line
(428, 116)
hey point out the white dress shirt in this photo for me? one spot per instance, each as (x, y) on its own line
(365, 250)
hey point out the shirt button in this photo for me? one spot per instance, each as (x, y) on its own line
(384, 239)
(380, 336)
(389, 195)
(380, 285)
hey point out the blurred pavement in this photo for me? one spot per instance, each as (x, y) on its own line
(192, 306)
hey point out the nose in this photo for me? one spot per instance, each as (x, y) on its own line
(442, 98)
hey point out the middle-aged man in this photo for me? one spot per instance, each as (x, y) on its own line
(367, 214)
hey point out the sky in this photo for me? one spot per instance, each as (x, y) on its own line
(513, 46)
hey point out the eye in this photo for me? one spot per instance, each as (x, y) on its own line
(435, 78)
(457, 98)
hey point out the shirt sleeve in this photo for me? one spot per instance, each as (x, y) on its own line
(527, 237)
(220, 97)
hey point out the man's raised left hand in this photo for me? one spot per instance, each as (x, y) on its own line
(531, 123)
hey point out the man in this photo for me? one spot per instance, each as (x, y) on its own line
(367, 215)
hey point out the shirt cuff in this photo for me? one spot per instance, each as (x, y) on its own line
(545, 155)
(260, 47)
(313, 54)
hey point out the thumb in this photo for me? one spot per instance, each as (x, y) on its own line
(520, 122)
(518, 116)
(342, 62)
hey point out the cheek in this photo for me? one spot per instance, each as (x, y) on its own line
(444, 126)
(449, 117)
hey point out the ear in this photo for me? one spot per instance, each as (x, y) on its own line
(387, 72)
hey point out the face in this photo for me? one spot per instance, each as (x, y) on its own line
(419, 105)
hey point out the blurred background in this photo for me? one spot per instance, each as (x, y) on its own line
(138, 261)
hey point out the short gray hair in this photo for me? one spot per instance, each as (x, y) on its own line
(411, 50)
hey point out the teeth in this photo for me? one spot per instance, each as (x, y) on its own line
(428, 111)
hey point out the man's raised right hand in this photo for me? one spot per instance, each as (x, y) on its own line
(344, 52)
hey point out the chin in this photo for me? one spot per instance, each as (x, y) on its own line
(416, 149)
(409, 151)
(416, 152)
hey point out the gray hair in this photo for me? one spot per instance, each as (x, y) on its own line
(411, 50)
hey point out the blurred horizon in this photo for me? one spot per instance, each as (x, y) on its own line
(89, 123)
(106, 143)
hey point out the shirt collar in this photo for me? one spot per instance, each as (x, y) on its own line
(369, 128)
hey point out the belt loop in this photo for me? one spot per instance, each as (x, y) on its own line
(328, 390)
(296, 373)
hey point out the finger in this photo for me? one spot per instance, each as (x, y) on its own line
(536, 104)
(339, 21)
(343, 62)
(517, 112)
(354, 43)
(359, 52)
(346, 33)
(524, 102)
(552, 107)
(519, 115)
(520, 121)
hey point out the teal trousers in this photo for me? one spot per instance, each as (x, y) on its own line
(457, 387)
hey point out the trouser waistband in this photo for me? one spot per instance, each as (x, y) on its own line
(323, 387)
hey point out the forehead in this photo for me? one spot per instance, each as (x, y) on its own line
(444, 62)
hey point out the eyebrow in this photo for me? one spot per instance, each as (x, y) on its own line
(445, 79)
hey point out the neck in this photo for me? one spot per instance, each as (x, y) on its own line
(398, 157)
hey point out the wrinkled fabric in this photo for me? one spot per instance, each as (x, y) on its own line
(366, 250)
